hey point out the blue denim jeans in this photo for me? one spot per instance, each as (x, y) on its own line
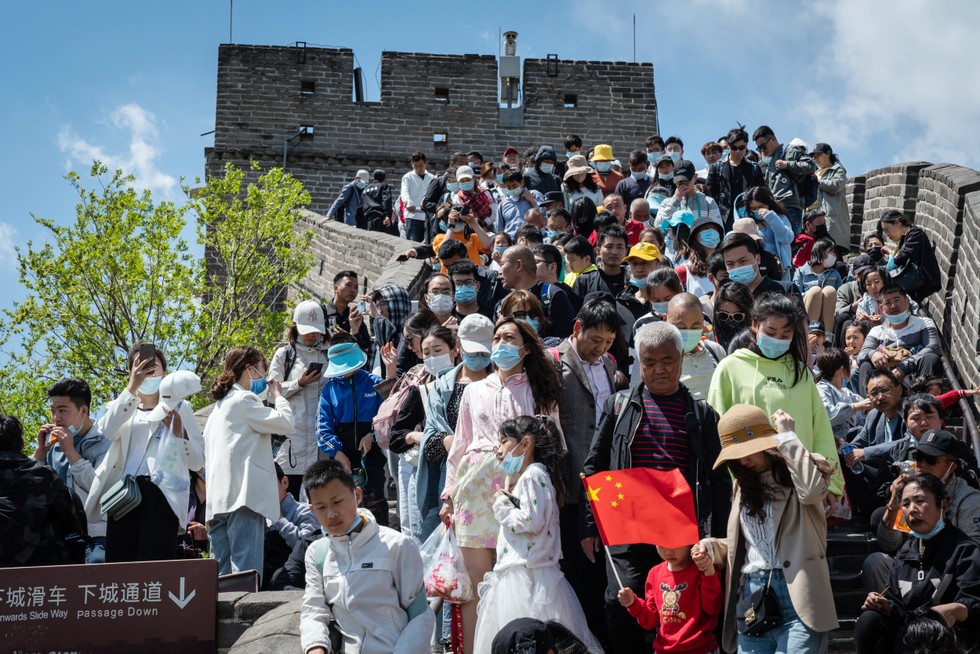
(792, 636)
(237, 541)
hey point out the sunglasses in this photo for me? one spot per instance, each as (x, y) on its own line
(738, 148)
(730, 317)
(522, 315)
(922, 457)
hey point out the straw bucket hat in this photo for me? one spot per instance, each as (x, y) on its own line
(744, 430)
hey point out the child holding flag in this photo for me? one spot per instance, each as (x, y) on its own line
(526, 581)
(683, 603)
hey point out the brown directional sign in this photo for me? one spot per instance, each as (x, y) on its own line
(157, 606)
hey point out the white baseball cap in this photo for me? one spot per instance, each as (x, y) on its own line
(363, 176)
(475, 334)
(308, 317)
(173, 388)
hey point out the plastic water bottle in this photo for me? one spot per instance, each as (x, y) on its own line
(170, 482)
(858, 467)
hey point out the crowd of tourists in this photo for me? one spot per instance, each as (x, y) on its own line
(414, 464)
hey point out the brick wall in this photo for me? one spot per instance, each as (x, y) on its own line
(892, 187)
(260, 103)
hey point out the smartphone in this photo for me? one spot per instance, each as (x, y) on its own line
(316, 366)
(513, 498)
(147, 351)
(362, 307)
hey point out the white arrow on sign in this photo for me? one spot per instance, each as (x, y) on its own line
(183, 600)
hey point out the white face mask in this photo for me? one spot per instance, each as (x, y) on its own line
(829, 261)
(437, 363)
(441, 304)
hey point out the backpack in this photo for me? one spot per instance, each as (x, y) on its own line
(384, 421)
(808, 188)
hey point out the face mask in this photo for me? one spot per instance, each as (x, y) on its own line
(709, 238)
(820, 232)
(73, 430)
(436, 267)
(506, 356)
(772, 348)
(441, 304)
(639, 282)
(466, 186)
(361, 185)
(755, 215)
(660, 308)
(740, 211)
(668, 242)
(691, 338)
(829, 261)
(501, 249)
(742, 274)
(354, 525)
(514, 193)
(935, 530)
(453, 187)
(533, 322)
(676, 156)
(438, 363)
(150, 386)
(511, 464)
(666, 176)
(569, 154)
(652, 157)
(476, 362)
(638, 176)
(500, 179)
(765, 161)
(259, 385)
(897, 319)
(724, 155)
(547, 167)
(443, 227)
(603, 166)
(465, 294)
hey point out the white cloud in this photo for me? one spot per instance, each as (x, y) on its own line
(900, 73)
(7, 243)
(141, 158)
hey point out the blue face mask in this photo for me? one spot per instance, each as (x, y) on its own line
(443, 227)
(550, 233)
(357, 521)
(500, 179)
(740, 211)
(511, 464)
(742, 274)
(755, 215)
(453, 186)
(259, 385)
(361, 185)
(514, 193)
(691, 338)
(603, 166)
(935, 530)
(534, 323)
(501, 249)
(666, 176)
(506, 356)
(652, 157)
(639, 282)
(547, 168)
(660, 308)
(569, 154)
(724, 155)
(466, 186)
(437, 266)
(476, 362)
(898, 318)
(668, 242)
(639, 175)
(709, 238)
(772, 348)
(150, 386)
(73, 430)
(465, 294)
(676, 156)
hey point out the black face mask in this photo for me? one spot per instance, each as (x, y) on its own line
(821, 232)
(875, 254)
(725, 331)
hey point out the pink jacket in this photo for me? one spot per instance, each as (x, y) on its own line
(485, 405)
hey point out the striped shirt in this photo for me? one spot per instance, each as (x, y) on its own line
(661, 437)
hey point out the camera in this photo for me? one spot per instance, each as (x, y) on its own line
(461, 209)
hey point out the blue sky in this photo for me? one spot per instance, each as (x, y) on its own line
(133, 82)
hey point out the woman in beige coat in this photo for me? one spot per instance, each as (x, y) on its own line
(831, 194)
(777, 533)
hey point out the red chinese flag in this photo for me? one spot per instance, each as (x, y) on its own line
(643, 505)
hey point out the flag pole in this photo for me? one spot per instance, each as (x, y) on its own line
(604, 546)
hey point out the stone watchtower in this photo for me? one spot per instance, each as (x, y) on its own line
(303, 105)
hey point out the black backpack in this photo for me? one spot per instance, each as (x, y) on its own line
(808, 188)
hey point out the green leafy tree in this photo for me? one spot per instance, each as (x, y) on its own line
(119, 274)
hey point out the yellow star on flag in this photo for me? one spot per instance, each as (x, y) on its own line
(614, 503)
(593, 493)
(618, 485)
(608, 477)
(622, 497)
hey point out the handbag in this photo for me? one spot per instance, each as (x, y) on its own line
(759, 613)
(121, 498)
(910, 276)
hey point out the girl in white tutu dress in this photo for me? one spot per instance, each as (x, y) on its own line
(526, 581)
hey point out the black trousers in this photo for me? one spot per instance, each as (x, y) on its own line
(587, 579)
(295, 484)
(633, 563)
(375, 463)
(147, 533)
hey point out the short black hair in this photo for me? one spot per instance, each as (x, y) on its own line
(738, 239)
(513, 176)
(549, 253)
(323, 472)
(674, 139)
(134, 351)
(530, 233)
(654, 140)
(561, 212)
(11, 434)
(463, 267)
(762, 131)
(832, 360)
(418, 155)
(344, 273)
(280, 473)
(737, 134)
(76, 390)
(476, 155)
(341, 336)
(580, 247)
(638, 157)
(665, 277)
(452, 247)
(612, 231)
(887, 374)
(599, 313)
(923, 402)
(891, 287)
(573, 141)
(716, 263)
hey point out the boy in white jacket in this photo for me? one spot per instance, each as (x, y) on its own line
(364, 588)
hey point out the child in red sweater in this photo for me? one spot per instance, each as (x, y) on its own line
(683, 604)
